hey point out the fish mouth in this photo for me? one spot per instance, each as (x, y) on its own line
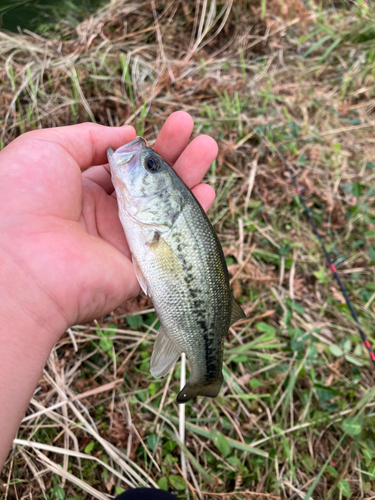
(125, 153)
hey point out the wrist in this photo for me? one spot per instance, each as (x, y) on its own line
(28, 313)
(30, 326)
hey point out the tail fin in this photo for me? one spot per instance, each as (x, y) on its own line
(209, 389)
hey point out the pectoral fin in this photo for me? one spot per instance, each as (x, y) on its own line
(140, 277)
(165, 256)
(164, 355)
(237, 312)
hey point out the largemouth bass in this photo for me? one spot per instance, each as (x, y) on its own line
(179, 263)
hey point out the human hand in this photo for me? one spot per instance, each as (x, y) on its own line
(61, 227)
(63, 253)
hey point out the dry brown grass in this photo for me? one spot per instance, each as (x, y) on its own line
(92, 423)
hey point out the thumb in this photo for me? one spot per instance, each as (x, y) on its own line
(86, 143)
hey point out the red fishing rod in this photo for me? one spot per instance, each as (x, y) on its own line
(331, 264)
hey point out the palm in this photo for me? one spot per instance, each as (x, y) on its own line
(63, 225)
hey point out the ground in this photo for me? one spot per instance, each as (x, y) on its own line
(294, 419)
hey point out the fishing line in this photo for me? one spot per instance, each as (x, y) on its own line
(327, 256)
(182, 413)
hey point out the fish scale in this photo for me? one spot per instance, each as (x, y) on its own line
(205, 299)
(179, 263)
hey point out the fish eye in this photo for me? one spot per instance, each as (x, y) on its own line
(152, 164)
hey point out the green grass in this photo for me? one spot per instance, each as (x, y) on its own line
(41, 15)
(295, 418)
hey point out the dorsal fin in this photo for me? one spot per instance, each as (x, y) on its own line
(237, 312)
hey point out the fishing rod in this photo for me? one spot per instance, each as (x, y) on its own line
(327, 256)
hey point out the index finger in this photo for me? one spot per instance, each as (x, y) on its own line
(174, 136)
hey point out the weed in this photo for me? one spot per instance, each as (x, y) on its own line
(295, 416)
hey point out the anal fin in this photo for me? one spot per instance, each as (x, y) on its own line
(164, 355)
(237, 312)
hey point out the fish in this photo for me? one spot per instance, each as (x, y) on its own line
(179, 263)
